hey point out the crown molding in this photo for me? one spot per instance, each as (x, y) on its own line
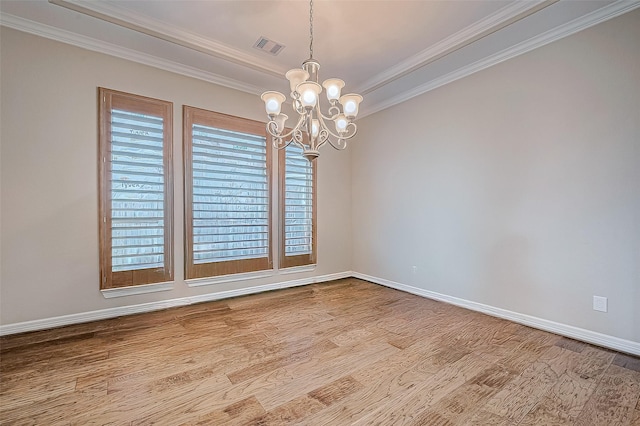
(608, 12)
(492, 23)
(163, 31)
(88, 43)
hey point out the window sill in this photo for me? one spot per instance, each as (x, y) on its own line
(136, 289)
(197, 282)
(296, 269)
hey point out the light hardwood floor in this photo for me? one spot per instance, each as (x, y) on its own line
(340, 353)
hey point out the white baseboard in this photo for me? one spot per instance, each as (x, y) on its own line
(599, 339)
(577, 333)
(42, 324)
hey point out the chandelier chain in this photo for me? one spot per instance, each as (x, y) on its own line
(312, 129)
(311, 29)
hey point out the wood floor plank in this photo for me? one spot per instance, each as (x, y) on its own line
(15, 401)
(485, 418)
(562, 404)
(323, 369)
(519, 396)
(276, 387)
(339, 353)
(336, 390)
(244, 411)
(289, 412)
(626, 361)
(572, 345)
(271, 364)
(635, 419)
(381, 381)
(593, 363)
(614, 400)
(457, 406)
(145, 405)
(42, 376)
(519, 353)
(407, 407)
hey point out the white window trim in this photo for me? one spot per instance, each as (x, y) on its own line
(110, 293)
(243, 276)
(297, 269)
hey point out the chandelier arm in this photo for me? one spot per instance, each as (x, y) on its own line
(342, 142)
(333, 111)
(351, 125)
(296, 104)
(331, 117)
(323, 137)
(272, 128)
(296, 138)
(282, 145)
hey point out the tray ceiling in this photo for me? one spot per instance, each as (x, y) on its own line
(389, 51)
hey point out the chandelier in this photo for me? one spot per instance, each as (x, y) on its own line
(311, 131)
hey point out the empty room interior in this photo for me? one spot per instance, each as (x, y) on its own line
(320, 212)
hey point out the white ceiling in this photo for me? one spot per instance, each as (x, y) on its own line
(388, 51)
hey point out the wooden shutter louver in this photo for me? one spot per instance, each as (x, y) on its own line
(298, 208)
(229, 213)
(136, 189)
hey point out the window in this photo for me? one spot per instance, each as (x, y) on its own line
(136, 190)
(298, 208)
(227, 195)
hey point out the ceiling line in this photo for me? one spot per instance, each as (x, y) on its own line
(154, 28)
(564, 30)
(600, 15)
(477, 31)
(106, 48)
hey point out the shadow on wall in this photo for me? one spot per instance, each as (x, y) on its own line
(62, 239)
(635, 331)
(509, 276)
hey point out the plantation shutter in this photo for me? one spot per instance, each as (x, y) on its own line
(136, 191)
(298, 205)
(229, 206)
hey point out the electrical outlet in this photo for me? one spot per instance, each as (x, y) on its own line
(414, 269)
(600, 303)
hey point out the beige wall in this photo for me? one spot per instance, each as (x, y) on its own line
(48, 180)
(517, 187)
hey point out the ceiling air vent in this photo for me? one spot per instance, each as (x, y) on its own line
(268, 46)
